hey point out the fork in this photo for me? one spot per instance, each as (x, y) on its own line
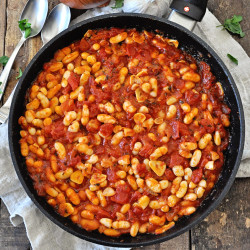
(5, 109)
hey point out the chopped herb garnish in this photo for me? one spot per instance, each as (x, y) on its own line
(4, 60)
(118, 4)
(233, 59)
(25, 26)
(233, 25)
(1, 90)
(20, 74)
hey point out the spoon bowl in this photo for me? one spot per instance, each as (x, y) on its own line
(36, 12)
(57, 21)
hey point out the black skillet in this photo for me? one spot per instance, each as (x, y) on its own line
(188, 42)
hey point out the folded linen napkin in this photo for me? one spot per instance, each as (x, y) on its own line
(45, 235)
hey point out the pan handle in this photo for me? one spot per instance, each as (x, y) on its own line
(187, 12)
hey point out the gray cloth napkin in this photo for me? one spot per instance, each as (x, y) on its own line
(45, 235)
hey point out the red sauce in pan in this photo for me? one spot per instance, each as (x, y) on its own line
(124, 132)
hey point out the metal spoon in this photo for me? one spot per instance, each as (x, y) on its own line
(57, 21)
(36, 12)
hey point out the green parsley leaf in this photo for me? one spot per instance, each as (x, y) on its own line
(4, 60)
(25, 26)
(118, 4)
(27, 32)
(233, 59)
(22, 24)
(233, 25)
(20, 74)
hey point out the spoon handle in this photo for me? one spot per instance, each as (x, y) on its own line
(6, 71)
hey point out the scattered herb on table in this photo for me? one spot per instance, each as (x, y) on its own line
(233, 25)
(233, 59)
(4, 60)
(20, 74)
(25, 26)
(118, 4)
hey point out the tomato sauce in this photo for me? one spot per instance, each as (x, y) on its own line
(124, 131)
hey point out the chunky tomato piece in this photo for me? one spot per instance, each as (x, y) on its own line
(122, 194)
(47, 130)
(99, 94)
(135, 196)
(141, 169)
(208, 125)
(144, 55)
(131, 49)
(196, 176)
(112, 177)
(176, 159)
(102, 55)
(171, 214)
(113, 209)
(166, 192)
(93, 126)
(74, 80)
(175, 129)
(58, 130)
(207, 76)
(74, 161)
(172, 146)
(70, 136)
(179, 84)
(131, 216)
(169, 174)
(145, 214)
(148, 147)
(192, 98)
(99, 212)
(137, 211)
(67, 90)
(68, 105)
(84, 45)
(106, 129)
(183, 128)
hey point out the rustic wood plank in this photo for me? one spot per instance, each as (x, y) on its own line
(2, 29)
(226, 9)
(2, 26)
(12, 37)
(179, 243)
(11, 238)
(228, 227)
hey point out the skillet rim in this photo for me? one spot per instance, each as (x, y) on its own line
(214, 203)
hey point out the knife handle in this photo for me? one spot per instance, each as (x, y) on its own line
(194, 9)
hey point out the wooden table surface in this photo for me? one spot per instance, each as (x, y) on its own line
(228, 227)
